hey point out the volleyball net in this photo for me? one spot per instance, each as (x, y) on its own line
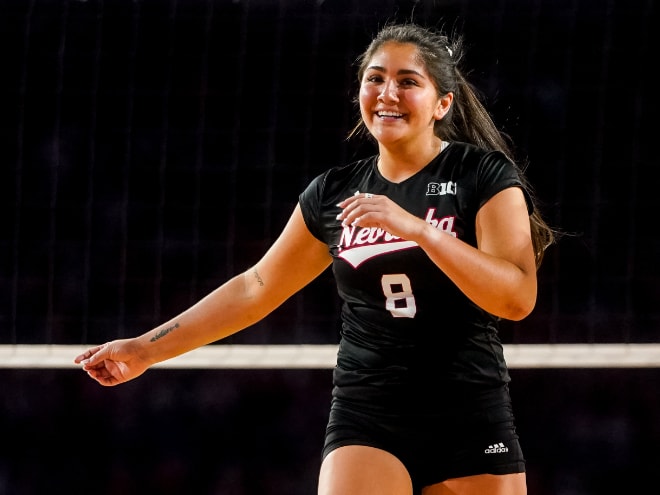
(141, 168)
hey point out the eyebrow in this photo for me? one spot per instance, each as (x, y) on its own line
(399, 73)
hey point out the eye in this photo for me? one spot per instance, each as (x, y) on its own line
(408, 82)
(375, 78)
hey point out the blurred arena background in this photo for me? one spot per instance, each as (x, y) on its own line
(154, 148)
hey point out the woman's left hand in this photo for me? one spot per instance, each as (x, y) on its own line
(378, 211)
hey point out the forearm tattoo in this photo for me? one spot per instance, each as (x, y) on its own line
(258, 277)
(164, 332)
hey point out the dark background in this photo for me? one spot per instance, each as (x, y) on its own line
(154, 148)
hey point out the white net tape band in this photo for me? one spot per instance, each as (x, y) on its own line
(323, 356)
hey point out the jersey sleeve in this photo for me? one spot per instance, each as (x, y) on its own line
(310, 201)
(496, 173)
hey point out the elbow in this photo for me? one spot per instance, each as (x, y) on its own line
(519, 314)
(520, 308)
(521, 298)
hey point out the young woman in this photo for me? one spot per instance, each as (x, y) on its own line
(432, 241)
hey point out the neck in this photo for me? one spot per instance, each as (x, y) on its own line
(398, 164)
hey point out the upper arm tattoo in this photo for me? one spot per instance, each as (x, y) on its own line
(258, 277)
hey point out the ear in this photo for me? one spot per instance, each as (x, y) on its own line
(443, 106)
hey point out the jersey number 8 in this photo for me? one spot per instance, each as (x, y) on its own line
(399, 299)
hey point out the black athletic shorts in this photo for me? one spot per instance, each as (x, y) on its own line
(475, 436)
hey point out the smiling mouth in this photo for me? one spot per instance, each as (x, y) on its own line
(389, 115)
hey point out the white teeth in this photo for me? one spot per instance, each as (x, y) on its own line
(390, 114)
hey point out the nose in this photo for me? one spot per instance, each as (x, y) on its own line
(389, 92)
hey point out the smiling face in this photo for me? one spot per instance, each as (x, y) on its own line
(398, 101)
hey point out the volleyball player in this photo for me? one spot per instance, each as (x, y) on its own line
(432, 242)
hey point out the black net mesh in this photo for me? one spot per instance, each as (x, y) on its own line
(155, 148)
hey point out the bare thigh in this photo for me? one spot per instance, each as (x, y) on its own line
(501, 484)
(357, 469)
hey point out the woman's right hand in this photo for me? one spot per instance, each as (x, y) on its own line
(114, 362)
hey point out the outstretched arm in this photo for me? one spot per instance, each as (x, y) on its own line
(294, 260)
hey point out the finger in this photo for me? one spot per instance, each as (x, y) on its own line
(86, 355)
(351, 208)
(102, 377)
(358, 198)
(346, 207)
(352, 199)
(95, 356)
(88, 365)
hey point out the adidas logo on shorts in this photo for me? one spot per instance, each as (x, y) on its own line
(497, 448)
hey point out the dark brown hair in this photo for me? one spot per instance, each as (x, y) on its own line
(467, 120)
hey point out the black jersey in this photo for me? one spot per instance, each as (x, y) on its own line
(405, 325)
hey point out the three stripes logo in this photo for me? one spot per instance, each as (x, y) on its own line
(496, 448)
